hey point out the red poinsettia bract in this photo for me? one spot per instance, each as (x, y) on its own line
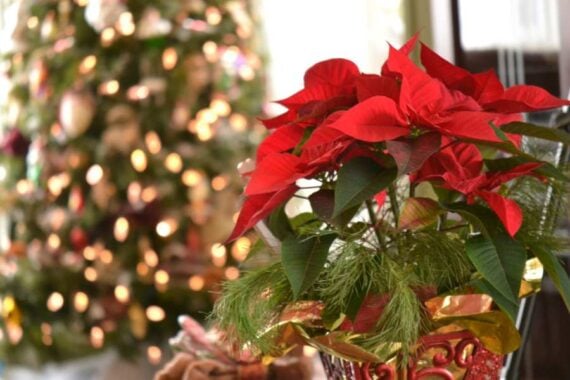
(343, 113)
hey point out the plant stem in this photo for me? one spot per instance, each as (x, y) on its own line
(442, 221)
(394, 203)
(457, 226)
(374, 221)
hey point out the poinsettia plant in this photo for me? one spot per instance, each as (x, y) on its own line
(420, 190)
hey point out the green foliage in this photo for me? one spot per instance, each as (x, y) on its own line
(358, 180)
(402, 322)
(356, 271)
(504, 164)
(437, 258)
(251, 303)
(532, 130)
(499, 258)
(303, 259)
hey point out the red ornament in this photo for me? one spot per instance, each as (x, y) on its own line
(15, 143)
(78, 238)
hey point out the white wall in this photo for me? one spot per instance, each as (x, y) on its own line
(299, 33)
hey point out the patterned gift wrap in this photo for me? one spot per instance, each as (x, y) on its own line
(449, 356)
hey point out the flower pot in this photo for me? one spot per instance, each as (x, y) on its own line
(449, 356)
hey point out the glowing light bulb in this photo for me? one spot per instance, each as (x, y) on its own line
(149, 194)
(219, 183)
(207, 116)
(204, 131)
(97, 337)
(161, 277)
(24, 187)
(238, 122)
(221, 107)
(94, 175)
(154, 354)
(134, 192)
(81, 3)
(90, 274)
(110, 87)
(142, 269)
(213, 16)
(89, 253)
(231, 55)
(55, 302)
(174, 162)
(166, 227)
(106, 256)
(231, 273)
(122, 293)
(151, 258)
(107, 36)
(191, 177)
(80, 302)
(125, 24)
(246, 73)
(57, 183)
(138, 92)
(152, 142)
(32, 22)
(155, 313)
(15, 333)
(241, 248)
(46, 334)
(87, 64)
(169, 58)
(53, 242)
(210, 49)
(196, 283)
(121, 229)
(139, 160)
(219, 257)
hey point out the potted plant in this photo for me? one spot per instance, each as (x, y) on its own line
(426, 221)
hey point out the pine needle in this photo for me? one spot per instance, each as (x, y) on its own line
(249, 304)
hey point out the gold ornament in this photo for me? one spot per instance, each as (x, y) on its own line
(76, 111)
(123, 129)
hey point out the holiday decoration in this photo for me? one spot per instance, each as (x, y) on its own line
(76, 112)
(116, 173)
(201, 356)
(400, 215)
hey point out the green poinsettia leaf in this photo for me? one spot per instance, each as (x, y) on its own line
(503, 164)
(303, 259)
(358, 180)
(532, 130)
(499, 258)
(418, 213)
(555, 271)
(500, 269)
(322, 203)
(279, 224)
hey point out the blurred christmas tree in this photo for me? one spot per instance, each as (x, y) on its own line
(123, 128)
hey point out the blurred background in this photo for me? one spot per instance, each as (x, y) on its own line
(122, 123)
